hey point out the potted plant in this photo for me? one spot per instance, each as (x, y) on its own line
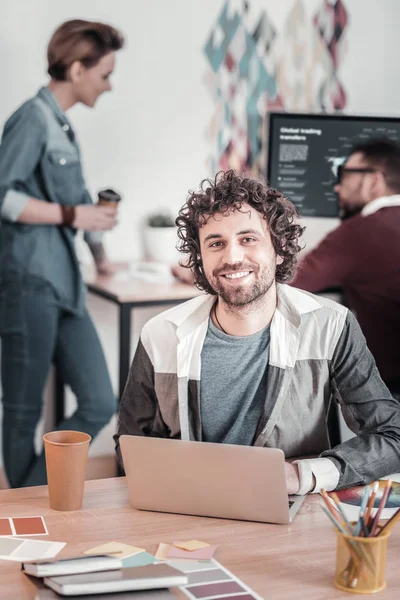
(160, 238)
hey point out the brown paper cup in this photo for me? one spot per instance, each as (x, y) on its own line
(66, 457)
(109, 197)
(103, 202)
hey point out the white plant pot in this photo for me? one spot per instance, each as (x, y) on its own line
(160, 244)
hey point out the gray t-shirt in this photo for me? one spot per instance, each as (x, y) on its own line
(234, 371)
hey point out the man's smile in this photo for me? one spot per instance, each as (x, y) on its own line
(236, 274)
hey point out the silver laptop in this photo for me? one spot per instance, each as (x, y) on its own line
(211, 480)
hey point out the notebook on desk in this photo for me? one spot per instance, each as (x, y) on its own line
(149, 577)
(211, 480)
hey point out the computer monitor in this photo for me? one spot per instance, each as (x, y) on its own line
(304, 151)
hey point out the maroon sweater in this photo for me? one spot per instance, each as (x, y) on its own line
(362, 256)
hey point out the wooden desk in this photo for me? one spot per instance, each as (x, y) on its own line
(279, 562)
(127, 294)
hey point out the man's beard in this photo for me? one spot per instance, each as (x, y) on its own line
(243, 295)
(347, 212)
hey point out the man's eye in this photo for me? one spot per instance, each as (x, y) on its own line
(249, 239)
(217, 244)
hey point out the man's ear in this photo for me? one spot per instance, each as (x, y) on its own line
(75, 71)
(279, 260)
(379, 183)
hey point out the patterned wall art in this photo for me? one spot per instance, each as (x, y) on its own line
(254, 69)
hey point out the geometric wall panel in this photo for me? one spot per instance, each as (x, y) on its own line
(254, 69)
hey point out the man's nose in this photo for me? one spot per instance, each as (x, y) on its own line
(234, 253)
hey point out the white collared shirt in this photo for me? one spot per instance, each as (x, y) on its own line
(378, 203)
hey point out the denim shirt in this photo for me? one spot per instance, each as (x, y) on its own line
(40, 158)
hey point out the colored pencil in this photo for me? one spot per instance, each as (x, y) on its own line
(334, 520)
(391, 523)
(336, 500)
(364, 500)
(385, 495)
(329, 505)
(371, 503)
(358, 527)
(364, 527)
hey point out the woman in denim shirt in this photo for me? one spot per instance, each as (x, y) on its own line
(43, 202)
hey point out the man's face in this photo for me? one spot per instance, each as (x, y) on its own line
(238, 257)
(352, 188)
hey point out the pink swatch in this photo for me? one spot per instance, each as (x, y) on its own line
(201, 554)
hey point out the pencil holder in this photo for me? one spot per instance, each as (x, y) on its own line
(361, 563)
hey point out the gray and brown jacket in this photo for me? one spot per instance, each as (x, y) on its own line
(317, 355)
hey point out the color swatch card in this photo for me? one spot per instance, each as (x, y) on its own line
(200, 554)
(162, 551)
(115, 549)
(139, 560)
(22, 550)
(191, 550)
(191, 545)
(23, 526)
(208, 579)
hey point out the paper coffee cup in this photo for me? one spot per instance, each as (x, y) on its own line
(109, 197)
(66, 458)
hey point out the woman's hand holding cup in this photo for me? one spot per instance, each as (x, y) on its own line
(95, 217)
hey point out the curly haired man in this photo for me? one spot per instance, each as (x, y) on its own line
(255, 361)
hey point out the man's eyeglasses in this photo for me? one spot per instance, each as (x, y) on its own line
(342, 170)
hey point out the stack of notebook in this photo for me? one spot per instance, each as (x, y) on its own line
(102, 575)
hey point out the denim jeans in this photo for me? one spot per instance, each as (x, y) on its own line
(35, 333)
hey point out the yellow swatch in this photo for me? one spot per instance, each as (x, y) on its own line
(162, 551)
(191, 545)
(115, 549)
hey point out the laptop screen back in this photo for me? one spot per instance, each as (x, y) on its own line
(213, 480)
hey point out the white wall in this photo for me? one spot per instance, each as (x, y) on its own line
(147, 138)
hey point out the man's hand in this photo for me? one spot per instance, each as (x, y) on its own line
(292, 478)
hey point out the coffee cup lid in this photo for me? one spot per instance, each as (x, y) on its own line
(109, 195)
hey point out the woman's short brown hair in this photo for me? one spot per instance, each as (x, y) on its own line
(85, 41)
(226, 193)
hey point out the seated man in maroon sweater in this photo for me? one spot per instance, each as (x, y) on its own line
(362, 255)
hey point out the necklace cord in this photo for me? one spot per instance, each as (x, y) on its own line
(216, 318)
